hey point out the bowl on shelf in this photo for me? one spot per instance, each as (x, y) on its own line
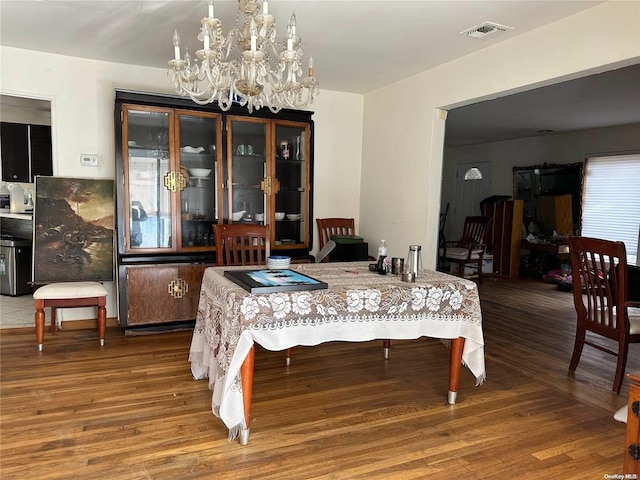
(190, 149)
(276, 262)
(259, 217)
(200, 172)
(237, 216)
(279, 215)
(293, 216)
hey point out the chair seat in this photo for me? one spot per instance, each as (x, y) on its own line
(458, 253)
(634, 320)
(70, 290)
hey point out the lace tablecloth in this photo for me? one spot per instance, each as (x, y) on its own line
(359, 305)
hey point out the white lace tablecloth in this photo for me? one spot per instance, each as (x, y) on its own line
(359, 305)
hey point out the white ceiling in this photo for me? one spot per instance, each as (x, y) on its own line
(357, 45)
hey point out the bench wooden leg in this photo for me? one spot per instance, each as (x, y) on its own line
(102, 320)
(54, 325)
(40, 323)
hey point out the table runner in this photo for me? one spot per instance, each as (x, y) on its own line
(359, 305)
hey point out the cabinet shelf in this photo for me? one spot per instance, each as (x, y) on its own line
(249, 158)
(292, 190)
(290, 162)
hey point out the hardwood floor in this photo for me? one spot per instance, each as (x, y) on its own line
(131, 410)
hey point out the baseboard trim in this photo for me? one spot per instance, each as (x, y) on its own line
(88, 324)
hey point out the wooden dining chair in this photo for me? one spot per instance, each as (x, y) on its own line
(334, 226)
(601, 298)
(471, 246)
(242, 243)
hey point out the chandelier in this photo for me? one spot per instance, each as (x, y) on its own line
(249, 66)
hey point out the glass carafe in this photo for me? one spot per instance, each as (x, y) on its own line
(414, 260)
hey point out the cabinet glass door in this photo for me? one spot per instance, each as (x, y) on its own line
(146, 137)
(292, 177)
(200, 143)
(247, 186)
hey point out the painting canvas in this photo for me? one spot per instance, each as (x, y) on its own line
(73, 233)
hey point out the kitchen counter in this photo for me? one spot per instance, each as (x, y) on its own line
(19, 216)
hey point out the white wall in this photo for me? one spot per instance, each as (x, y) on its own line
(402, 138)
(559, 148)
(82, 94)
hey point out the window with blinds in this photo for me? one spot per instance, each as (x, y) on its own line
(611, 207)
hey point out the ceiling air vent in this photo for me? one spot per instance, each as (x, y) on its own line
(486, 29)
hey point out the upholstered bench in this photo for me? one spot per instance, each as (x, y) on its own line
(69, 295)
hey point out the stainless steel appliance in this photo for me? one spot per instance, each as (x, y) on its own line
(15, 266)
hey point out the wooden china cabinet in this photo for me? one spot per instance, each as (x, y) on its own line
(182, 168)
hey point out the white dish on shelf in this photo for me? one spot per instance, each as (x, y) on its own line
(237, 216)
(279, 215)
(293, 216)
(190, 149)
(200, 172)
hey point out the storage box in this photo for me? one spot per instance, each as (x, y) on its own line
(346, 239)
(350, 252)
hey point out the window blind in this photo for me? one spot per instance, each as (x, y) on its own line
(611, 208)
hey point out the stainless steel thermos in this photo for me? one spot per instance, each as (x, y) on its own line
(414, 260)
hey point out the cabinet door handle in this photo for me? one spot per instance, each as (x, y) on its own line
(178, 288)
(265, 185)
(175, 181)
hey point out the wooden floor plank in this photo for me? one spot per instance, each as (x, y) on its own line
(131, 410)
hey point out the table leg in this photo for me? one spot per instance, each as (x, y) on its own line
(386, 344)
(455, 362)
(102, 319)
(246, 372)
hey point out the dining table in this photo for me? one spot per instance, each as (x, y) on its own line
(357, 305)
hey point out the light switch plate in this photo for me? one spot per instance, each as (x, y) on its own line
(89, 160)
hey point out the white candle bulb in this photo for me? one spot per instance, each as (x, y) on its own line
(206, 41)
(211, 9)
(176, 45)
(289, 38)
(253, 30)
(265, 7)
(292, 22)
(311, 65)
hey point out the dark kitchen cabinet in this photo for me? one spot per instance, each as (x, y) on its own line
(26, 151)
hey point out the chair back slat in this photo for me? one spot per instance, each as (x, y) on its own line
(473, 231)
(334, 226)
(242, 244)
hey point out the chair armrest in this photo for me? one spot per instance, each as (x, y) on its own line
(478, 246)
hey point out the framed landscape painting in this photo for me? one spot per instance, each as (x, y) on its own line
(73, 230)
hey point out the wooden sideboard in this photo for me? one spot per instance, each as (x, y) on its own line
(632, 444)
